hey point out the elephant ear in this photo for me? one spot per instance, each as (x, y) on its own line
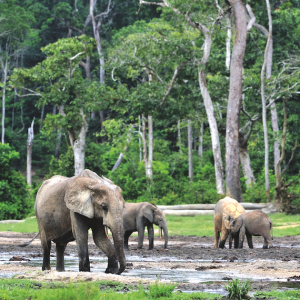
(148, 213)
(78, 197)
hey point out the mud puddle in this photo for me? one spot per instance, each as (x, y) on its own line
(190, 261)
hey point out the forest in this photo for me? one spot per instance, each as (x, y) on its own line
(177, 102)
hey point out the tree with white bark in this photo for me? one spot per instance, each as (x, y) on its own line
(192, 18)
(233, 184)
(58, 80)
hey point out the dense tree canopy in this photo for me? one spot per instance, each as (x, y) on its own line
(91, 88)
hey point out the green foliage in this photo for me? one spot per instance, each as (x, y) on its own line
(13, 289)
(15, 197)
(158, 290)
(238, 290)
(256, 193)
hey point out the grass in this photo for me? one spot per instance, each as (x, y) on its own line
(30, 225)
(204, 226)
(25, 289)
(287, 295)
(198, 225)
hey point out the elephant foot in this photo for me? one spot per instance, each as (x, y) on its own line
(112, 270)
(152, 249)
(60, 269)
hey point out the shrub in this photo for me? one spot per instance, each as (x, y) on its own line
(16, 200)
(238, 290)
(158, 290)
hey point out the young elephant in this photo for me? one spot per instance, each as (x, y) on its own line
(255, 223)
(136, 216)
(225, 210)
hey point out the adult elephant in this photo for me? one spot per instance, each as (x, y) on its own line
(66, 208)
(137, 216)
(225, 210)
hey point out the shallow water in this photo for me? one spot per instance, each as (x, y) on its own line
(98, 264)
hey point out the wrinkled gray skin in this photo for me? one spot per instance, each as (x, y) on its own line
(255, 223)
(137, 216)
(66, 208)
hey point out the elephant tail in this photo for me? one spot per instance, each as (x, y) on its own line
(271, 228)
(28, 243)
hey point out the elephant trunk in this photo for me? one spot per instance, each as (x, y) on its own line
(164, 228)
(118, 237)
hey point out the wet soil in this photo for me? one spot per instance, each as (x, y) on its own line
(278, 267)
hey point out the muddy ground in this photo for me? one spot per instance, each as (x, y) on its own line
(275, 268)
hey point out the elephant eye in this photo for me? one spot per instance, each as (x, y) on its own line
(103, 206)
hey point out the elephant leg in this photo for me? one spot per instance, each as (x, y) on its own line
(81, 233)
(60, 260)
(103, 242)
(249, 240)
(236, 241)
(141, 232)
(230, 241)
(224, 235)
(46, 247)
(150, 236)
(217, 237)
(127, 234)
(268, 241)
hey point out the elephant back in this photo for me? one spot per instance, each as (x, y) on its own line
(226, 208)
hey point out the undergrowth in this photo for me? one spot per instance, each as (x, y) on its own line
(238, 290)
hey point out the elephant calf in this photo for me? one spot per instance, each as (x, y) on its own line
(255, 223)
(225, 210)
(136, 216)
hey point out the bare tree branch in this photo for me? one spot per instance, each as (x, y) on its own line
(172, 83)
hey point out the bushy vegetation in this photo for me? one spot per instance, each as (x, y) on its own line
(16, 200)
(238, 290)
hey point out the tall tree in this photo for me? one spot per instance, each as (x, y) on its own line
(263, 99)
(62, 84)
(15, 23)
(233, 184)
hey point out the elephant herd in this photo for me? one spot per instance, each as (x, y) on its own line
(66, 208)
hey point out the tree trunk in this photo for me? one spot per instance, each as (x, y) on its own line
(264, 109)
(4, 76)
(190, 146)
(144, 142)
(141, 152)
(58, 142)
(213, 131)
(208, 104)
(246, 166)
(149, 171)
(78, 146)
(42, 117)
(228, 41)
(233, 184)
(200, 146)
(274, 117)
(179, 136)
(29, 151)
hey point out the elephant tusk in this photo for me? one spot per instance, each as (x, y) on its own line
(160, 234)
(106, 231)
